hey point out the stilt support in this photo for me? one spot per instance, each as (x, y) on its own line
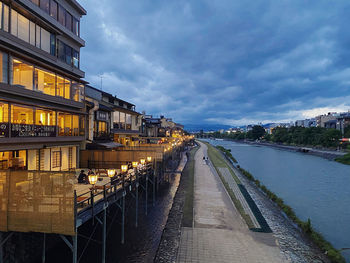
(43, 257)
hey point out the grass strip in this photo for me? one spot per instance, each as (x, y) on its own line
(345, 159)
(218, 161)
(333, 254)
(188, 177)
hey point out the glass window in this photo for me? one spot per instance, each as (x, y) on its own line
(67, 88)
(32, 33)
(60, 50)
(14, 18)
(77, 91)
(45, 81)
(60, 86)
(75, 125)
(102, 127)
(37, 34)
(3, 67)
(81, 125)
(75, 58)
(53, 9)
(5, 25)
(45, 5)
(128, 121)
(69, 19)
(76, 26)
(22, 74)
(45, 40)
(122, 120)
(4, 112)
(1, 24)
(23, 28)
(56, 159)
(68, 54)
(64, 124)
(52, 44)
(61, 15)
(45, 117)
(22, 115)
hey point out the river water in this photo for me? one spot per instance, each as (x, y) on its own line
(314, 187)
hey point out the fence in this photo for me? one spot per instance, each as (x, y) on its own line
(37, 201)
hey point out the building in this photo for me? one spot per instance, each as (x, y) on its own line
(322, 119)
(41, 91)
(111, 119)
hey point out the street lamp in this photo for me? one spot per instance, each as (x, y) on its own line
(124, 168)
(134, 164)
(111, 173)
(142, 161)
(149, 159)
(93, 179)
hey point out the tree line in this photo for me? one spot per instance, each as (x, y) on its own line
(313, 136)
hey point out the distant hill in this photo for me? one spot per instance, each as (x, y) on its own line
(205, 127)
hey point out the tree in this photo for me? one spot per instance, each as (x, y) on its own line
(257, 132)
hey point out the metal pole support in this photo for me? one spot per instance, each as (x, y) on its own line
(137, 202)
(43, 258)
(146, 193)
(104, 236)
(1, 249)
(123, 216)
(75, 248)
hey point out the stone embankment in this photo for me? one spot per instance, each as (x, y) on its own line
(324, 153)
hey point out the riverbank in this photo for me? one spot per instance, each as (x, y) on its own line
(324, 153)
(294, 245)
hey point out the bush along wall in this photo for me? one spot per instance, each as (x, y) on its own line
(333, 254)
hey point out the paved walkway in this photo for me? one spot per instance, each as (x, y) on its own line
(219, 233)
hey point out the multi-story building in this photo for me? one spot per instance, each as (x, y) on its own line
(111, 119)
(42, 119)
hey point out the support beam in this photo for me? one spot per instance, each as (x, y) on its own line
(104, 236)
(154, 189)
(146, 193)
(43, 257)
(137, 203)
(123, 216)
(75, 248)
(1, 249)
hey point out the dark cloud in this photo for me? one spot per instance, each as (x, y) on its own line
(224, 61)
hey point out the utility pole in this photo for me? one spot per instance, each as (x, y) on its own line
(101, 76)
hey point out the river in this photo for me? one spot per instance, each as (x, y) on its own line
(314, 187)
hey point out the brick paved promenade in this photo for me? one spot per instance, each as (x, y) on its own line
(219, 233)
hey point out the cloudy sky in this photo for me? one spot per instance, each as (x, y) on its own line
(221, 62)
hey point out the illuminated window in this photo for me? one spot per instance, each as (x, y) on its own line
(4, 112)
(60, 86)
(3, 67)
(77, 91)
(45, 117)
(45, 81)
(22, 74)
(102, 126)
(67, 88)
(65, 124)
(81, 125)
(22, 115)
(75, 125)
(128, 121)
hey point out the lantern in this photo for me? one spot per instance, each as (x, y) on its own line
(93, 179)
(111, 173)
(149, 159)
(142, 161)
(124, 168)
(134, 164)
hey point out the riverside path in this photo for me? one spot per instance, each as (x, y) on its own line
(219, 233)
